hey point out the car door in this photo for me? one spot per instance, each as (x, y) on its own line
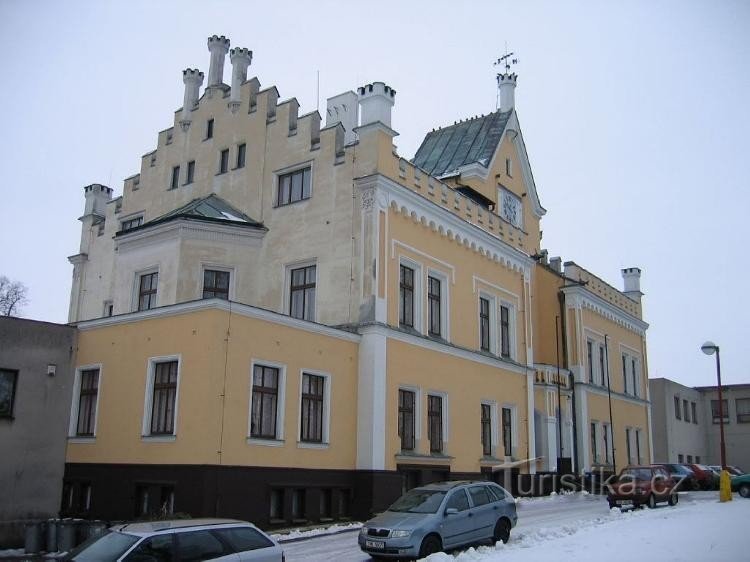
(197, 546)
(250, 544)
(457, 528)
(482, 511)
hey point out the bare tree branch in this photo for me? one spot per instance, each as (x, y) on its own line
(12, 296)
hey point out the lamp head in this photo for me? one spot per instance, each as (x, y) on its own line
(709, 348)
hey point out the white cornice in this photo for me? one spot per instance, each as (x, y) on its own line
(432, 345)
(606, 309)
(433, 216)
(226, 306)
(188, 229)
(602, 391)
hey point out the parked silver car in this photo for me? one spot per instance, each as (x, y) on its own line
(440, 516)
(182, 540)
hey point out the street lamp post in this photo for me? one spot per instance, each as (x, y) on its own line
(709, 348)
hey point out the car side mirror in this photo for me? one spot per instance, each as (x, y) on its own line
(451, 511)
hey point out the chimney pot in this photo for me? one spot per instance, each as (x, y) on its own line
(556, 264)
(506, 83)
(631, 277)
(376, 101)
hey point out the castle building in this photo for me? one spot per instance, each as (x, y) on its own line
(284, 320)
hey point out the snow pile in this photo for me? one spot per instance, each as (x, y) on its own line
(296, 534)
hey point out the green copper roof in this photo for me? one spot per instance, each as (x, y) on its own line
(468, 142)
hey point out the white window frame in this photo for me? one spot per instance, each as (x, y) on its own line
(446, 416)
(494, 326)
(512, 320)
(280, 403)
(131, 217)
(419, 293)
(417, 413)
(76, 402)
(444, 301)
(326, 410)
(148, 401)
(494, 426)
(514, 428)
(607, 431)
(228, 269)
(290, 170)
(287, 292)
(137, 287)
(501, 191)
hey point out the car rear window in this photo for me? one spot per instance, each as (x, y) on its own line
(107, 548)
(244, 538)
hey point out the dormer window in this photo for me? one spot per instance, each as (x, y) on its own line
(510, 207)
(130, 224)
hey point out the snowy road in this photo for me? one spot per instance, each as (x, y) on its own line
(556, 516)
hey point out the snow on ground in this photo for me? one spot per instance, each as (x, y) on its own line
(296, 534)
(703, 530)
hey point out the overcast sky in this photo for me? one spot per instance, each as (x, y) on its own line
(635, 116)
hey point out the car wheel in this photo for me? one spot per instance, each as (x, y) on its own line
(673, 499)
(651, 503)
(430, 545)
(502, 530)
(745, 490)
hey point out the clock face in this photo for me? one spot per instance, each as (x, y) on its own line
(511, 208)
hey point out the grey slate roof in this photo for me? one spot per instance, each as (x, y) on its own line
(472, 141)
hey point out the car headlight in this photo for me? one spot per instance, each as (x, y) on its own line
(363, 531)
(400, 534)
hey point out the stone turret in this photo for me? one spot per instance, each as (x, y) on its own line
(376, 101)
(241, 59)
(506, 83)
(97, 196)
(631, 277)
(193, 79)
(218, 47)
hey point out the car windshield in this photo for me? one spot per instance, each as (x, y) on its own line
(106, 548)
(419, 501)
(636, 474)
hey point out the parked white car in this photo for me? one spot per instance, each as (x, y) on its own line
(182, 540)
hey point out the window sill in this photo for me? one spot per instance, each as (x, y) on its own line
(311, 445)
(265, 442)
(159, 438)
(222, 173)
(81, 439)
(437, 458)
(277, 206)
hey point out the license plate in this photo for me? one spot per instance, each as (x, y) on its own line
(624, 502)
(375, 544)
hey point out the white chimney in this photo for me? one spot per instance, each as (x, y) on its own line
(96, 196)
(631, 278)
(193, 79)
(376, 101)
(556, 264)
(241, 59)
(218, 47)
(506, 83)
(344, 109)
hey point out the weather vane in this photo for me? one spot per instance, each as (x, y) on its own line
(506, 60)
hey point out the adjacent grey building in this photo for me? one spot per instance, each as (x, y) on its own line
(686, 423)
(36, 381)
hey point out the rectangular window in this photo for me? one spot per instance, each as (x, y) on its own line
(147, 291)
(190, 172)
(406, 297)
(164, 398)
(484, 324)
(294, 186)
(604, 380)
(509, 167)
(215, 284)
(8, 382)
(302, 293)
(680, 458)
(504, 331)
(625, 373)
(486, 430)
(87, 400)
(130, 224)
(605, 436)
(312, 408)
(634, 373)
(435, 423)
(677, 413)
(277, 504)
(265, 396)
(685, 411)
(224, 161)
(638, 458)
(694, 408)
(697, 459)
(210, 129)
(241, 150)
(406, 419)
(433, 296)
(743, 410)
(590, 357)
(174, 184)
(594, 448)
(627, 443)
(715, 410)
(507, 422)
(690, 459)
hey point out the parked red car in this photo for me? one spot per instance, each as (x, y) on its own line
(704, 476)
(642, 485)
